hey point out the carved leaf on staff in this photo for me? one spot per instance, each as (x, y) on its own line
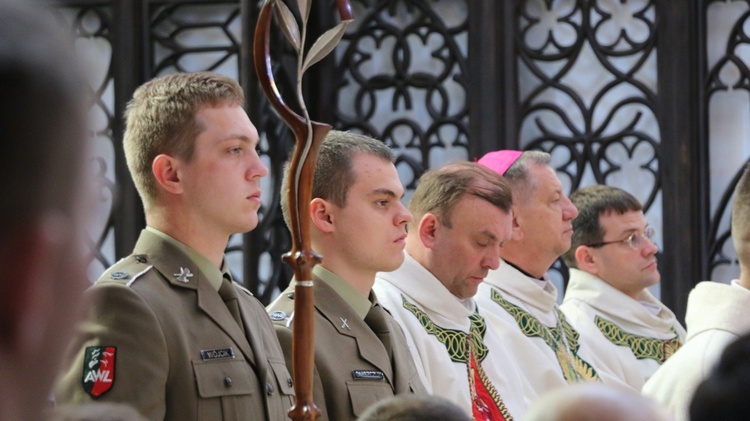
(322, 46)
(325, 44)
(304, 9)
(308, 137)
(288, 24)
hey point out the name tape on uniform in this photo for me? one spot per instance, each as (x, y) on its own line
(217, 354)
(368, 375)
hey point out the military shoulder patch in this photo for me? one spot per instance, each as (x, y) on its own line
(98, 369)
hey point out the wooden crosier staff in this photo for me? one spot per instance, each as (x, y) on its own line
(308, 136)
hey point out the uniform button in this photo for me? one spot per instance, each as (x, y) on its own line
(289, 382)
(269, 389)
(290, 295)
(228, 381)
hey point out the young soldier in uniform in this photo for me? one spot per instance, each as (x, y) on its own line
(358, 226)
(169, 332)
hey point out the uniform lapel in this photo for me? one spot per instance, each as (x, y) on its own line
(181, 272)
(401, 357)
(211, 303)
(252, 331)
(346, 322)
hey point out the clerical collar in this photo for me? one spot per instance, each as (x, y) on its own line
(524, 272)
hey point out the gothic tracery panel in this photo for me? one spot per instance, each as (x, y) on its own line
(404, 80)
(728, 94)
(92, 28)
(587, 93)
(196, 37)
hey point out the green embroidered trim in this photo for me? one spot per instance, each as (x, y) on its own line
(454, 340)
(574, 368)
(658, 350)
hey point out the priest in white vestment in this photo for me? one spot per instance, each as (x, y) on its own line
(716, 316)
(461, 220)
(612, 264)
(519, 299)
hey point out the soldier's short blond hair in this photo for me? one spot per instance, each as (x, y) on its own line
(160, 119)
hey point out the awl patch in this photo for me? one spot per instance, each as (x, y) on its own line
(98, 369)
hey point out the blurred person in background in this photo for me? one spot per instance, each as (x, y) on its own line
(716, 316)
(42, 267)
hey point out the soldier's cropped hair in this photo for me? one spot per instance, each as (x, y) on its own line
(160, 119)
(334, 174)
(441, 189)
(593, 202)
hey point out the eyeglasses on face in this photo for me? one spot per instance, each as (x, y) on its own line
(634, 240)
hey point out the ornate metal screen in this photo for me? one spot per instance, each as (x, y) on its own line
(94, 30)
(587, 93)
(402, 68)
(597, 83)
(727, 91)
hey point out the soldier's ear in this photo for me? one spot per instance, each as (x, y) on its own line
(165, 169)
(322, 215)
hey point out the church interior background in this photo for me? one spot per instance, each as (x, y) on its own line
(652, 96)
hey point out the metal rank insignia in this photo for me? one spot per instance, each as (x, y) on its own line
(344, 323)
(183, 275)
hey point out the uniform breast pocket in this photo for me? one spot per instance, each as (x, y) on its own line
(364, 395)
(284, 379)
(228, 390)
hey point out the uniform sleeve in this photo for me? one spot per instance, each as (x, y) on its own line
(119, 354)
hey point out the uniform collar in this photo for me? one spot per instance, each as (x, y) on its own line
(213, 274)
(359, 303)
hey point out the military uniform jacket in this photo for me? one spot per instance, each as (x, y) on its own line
(352, 367)
(160, 338)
